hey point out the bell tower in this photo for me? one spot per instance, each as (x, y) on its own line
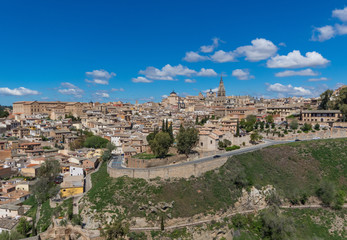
(221, 89)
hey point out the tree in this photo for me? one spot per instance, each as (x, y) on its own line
(269, 119)
(95, 142)
(237, 129)
(325, 99)
(326, 192)
(306, 127)
(255, 137)
(187, 138)
(160, 144)
(316, 127)
(294, 124)
(116, 230)
(45, 187)
(23, 226)
(262, 125)
(170, 131)
(110, 147)
(275, 225)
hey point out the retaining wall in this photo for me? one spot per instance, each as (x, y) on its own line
(182, 170)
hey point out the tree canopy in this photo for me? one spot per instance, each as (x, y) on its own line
(187, 139)
(95, 142)
(160, 144)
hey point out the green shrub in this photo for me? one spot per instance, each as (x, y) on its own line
(234, 147)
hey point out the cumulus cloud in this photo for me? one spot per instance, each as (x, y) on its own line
(141, 80)
(340, 14)
(260, 49)
(21, 91)
(190, 80)
(164, 96)
(99, 76)
(242, 74)
(296, 60)
(101, 94)
(290, 73)
(213, 90)
(147, 99)
(70, 89)
(288, 90)
(341, 29)
(222, 56)
(206, 72)
(327, 32)
(322, 34)
(117, 89)
(194, 57)
(168, 72)
(318, 79)
(210, 48)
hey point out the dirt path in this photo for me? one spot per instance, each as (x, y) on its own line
(223, 216)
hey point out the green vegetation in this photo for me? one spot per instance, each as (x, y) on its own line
(338, 103)
(145, 156)
(95, 142)
(234, 147)
(187, 138)
(46, 214)
(296, 170)
(45, 187)
(3, 113)
(160, 144)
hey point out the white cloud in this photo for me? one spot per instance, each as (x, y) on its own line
(206, 72)
(288, 90)
(70, 89)
(221, 56)
(340, 14)
(102, 94)
(117, 89)
(318, 79)
(190, 80)
(289, 73)
(260, 49)
(21, 91)
(341, 29)
(168, 72)
(141, 80)
(99, 76)
(164, 96)
(322, 34)
(208, 90)
(194, 57)
(296, 60)
(210, 48)
(147, 99)
(282, 44)
(242, 74)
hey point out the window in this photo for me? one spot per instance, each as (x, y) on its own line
(211, 141)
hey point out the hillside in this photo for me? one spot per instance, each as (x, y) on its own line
(297, 170)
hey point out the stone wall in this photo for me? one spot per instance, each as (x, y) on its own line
(146, 163)
(182, 170)
(322, 134)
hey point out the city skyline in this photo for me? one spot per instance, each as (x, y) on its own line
(141, 51)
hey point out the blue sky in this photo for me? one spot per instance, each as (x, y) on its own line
(142, 50)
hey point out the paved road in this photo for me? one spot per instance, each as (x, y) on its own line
(117, 159)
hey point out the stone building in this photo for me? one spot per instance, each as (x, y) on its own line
(321, 116)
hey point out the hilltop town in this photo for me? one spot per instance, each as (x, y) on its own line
(49, 150)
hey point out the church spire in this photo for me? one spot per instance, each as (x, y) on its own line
(221, 89)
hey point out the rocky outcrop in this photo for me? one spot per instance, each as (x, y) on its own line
(254, 199)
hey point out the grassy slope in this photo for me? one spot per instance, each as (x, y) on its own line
(294, 169)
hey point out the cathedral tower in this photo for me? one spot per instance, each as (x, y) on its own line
(221, 89)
